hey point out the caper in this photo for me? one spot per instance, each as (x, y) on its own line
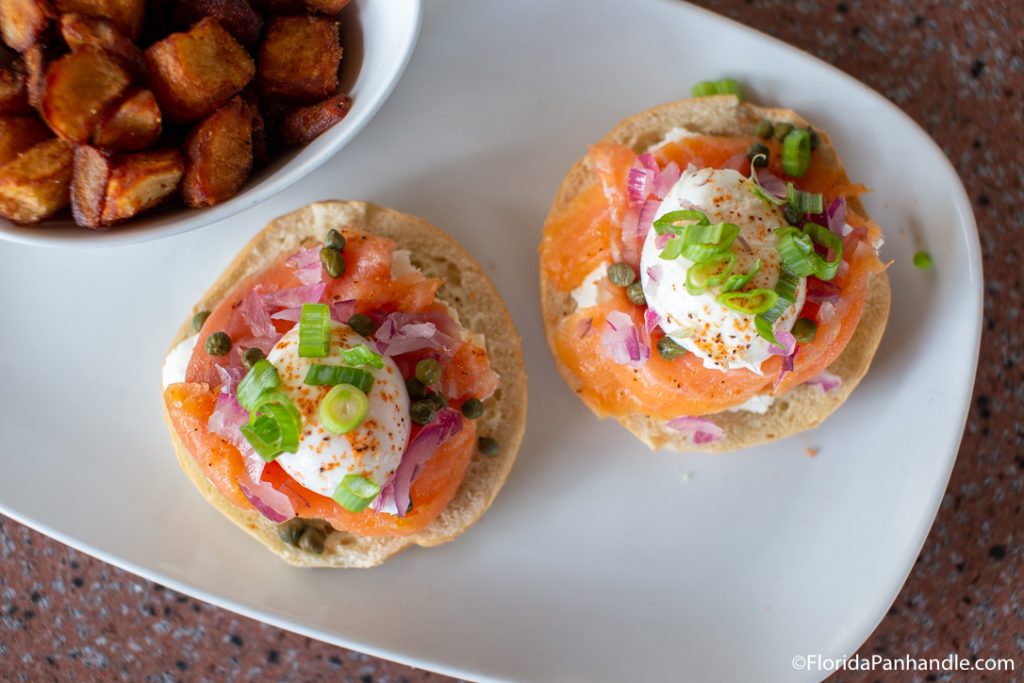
(794, 215)
(218, 344)
(621, 274)
(334, 262)
(815, 138)
(804, 330)
(439, 399)
(423, 411)
(487, 445)
(764, 129)
(472, 408)
(758, 154)
(428, 371)
(335, 240)
(417, 389)
(363, 324)
(635, 293)
(669, 349)
(198, 319)
(312, 540)
(291, 530)
(782, 130)
(251, 356)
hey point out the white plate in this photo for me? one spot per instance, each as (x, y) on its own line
(378, 39)
(760, 556)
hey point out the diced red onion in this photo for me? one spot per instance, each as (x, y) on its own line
(787, 341)
(268, 501)
(637, 183)
(264, 343)
(622, 342)
(647, 213)
(826, 380)
(669, 177)
(230, 376)
(394, 495)
(854, 236)
(255, 315)
(772, 184)
(661, 240)
(820, 291)
(295, 296)
(651, 320)
(404, 332)
(584, 327)
(341, 311)
(835, 216)
(697, 429)
(631, 221)
(826, 313)
(306, 263)
(654, 272)
(736, 161)
(293, 314)
(226, 418)
(788, 363)
(648, 162)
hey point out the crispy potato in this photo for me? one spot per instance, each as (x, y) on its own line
(34, 186)
(259, 128)
(139, 182)
(219, 151)
(237, 17)
(126, 16)
(195, 72)
(22, 21)
(299, 58)
(36, 60)
(13, 93)
(134, 126)
(18, 133)
(328, 7)
(81, 87)
(302, 125)
(89, 186)
(80, 30)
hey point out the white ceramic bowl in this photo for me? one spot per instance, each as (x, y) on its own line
(378, 35)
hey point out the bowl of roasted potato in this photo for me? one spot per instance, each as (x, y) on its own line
(128, 120)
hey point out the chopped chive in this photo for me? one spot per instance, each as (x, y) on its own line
(923, 260)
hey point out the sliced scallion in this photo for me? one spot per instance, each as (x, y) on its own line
(805, 202)
(753, 302)
(785, 290)
(355, 492)
(361, 355)
(261, 377)
(330, 375)
(709, 273)
(825, 270)
(343, 409)
(273, 429)
(739, 281)
(704, 88)
(315, 331)
(676, 222)
(701, 242)
(796, 153)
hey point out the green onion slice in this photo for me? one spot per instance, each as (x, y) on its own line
(355, 492)
(805, 202)
(701, 242)
(797, 251)
(330, 375)
(361, 355)
(262, 377)
(709, 273)
(752, 302)
(728, 86)
(796, 153)
(671, 221)
(922, 260)
(704, 88)
(739, 281)
(673, 249)
(273, 427)
(785, 290)
(343, 408)
(315, 331)
(825, 270)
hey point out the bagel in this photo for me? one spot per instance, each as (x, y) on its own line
(465, 289)
(730, 121)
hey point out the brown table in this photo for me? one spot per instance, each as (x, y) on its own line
(960, 74)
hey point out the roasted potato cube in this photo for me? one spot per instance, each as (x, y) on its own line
(34, 186)
(237, 17)
(80, 30)
(302, 125)
(89, 186)
(134, 126)
(13, 93)
(219, 151)
(18, 133)
(22, 21)
(259, 129)
(299, 58)
(36, 60)
(140, 181)
(80, 89)
(195, 72)
(328, 7)
(126, 16)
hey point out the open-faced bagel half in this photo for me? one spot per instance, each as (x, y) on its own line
(468, 291)
(804, 406)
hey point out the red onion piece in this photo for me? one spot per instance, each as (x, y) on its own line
(826, 313)
(651, 320)
(787, 364)
(268, 501)
(295, 296)
(306, 263)
(394, 495)
(637, 182)
(772, 184)
(826, 380)
(255, 315)
(669, 177)
(835, 216)
(584, 327)
(647, 213)
(230, 376)
(648, 162)
(341, 311)
(654, 272)
(631, 222)
(736, 161)
(820, 291)
(788, 342)
(661, 240)
(697, 429)
(621, 341)
(404, 332)
(293, 314)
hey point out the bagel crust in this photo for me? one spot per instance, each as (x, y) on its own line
(804, 406)
(469, 292)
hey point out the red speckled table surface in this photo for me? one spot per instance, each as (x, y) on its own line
(957, 68)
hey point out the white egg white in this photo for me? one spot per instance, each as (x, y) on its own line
(373, 449)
